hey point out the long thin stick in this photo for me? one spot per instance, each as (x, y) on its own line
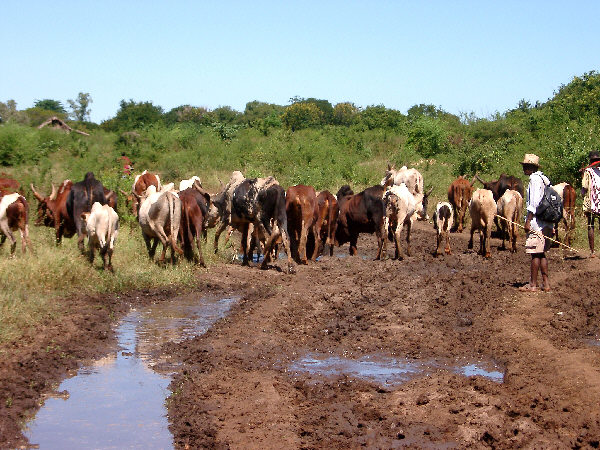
(537, 232)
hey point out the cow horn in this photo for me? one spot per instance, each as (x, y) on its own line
(480, 180)
(429, 192)
(36, 193)
(390, 166)
(123, 192)
(54, 192)
(221, 184)
(474, 179)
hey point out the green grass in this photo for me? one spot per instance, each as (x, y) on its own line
(33, 283)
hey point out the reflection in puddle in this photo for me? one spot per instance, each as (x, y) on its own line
(387, 371)
(471, 370)
(594, 342)
(118, 401)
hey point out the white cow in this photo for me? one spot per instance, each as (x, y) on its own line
(482, 208)
(413, 180)
(160, 212)
(186, 184)
(102, 226)
(442, 222)
(400, 208)
(509, 207)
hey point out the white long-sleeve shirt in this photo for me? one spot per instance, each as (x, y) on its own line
(535, 191)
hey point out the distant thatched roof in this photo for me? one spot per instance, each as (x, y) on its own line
(59, 124)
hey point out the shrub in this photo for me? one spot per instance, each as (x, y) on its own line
(427, 137)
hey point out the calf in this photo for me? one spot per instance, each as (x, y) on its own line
(102, 227)
(160, 218)
(261, 202)
(301, 208)
(568, 195)
(482, 209)
(459, 195)
(360, 213)
(442, 222)
(195, 203)
(509, 207)
(14, 216)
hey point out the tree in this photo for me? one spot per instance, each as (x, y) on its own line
(9, 113)
(50, 105)
(224, 114)
(134, 115)
(80, 108)
(301, 115)
(255, 112)
(345, 113)
(186, 113)
(326, 116)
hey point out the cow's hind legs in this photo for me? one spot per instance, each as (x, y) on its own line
(245, 244)
(8, 233)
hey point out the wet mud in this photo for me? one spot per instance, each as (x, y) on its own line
(512, 369)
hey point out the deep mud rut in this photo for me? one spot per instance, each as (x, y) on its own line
(236, 388)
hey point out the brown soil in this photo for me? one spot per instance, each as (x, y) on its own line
(235, 388)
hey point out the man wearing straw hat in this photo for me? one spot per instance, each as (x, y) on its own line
(536, 228)
(590, 191)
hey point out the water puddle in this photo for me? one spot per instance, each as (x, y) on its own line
(119, 401)
(386, 371)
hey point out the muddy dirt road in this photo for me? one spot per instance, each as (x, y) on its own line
(259, 378)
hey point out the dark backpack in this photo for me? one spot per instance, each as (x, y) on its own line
(550, 208)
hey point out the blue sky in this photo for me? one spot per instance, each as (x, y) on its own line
(479, 57)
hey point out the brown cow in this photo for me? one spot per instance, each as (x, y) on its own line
(14, 216)
(111, 198)
(140, 184)
(459, 195)
(300, 207)
(360, 213)
(510, 207)
(8, 185)
(195, 203)
(482, 209)
(326, 216)
(568, 195)
(52, 210)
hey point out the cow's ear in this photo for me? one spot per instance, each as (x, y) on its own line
(85, 215)
(207, 197)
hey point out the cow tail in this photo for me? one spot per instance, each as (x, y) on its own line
(174, 245)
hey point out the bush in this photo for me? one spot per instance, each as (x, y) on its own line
(301, 115)
(427, 137)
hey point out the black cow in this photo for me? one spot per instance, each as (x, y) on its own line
(81, 198)
(360, 213)
(261, 202)
(503, 183)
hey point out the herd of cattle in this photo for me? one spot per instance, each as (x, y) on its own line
(301, 220)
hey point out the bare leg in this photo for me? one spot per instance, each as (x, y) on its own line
(544, 270)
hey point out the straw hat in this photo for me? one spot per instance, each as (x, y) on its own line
(531, 159)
